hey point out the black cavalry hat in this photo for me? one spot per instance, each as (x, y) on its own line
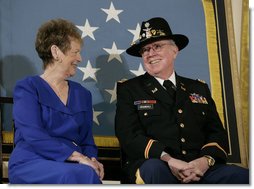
(153, 30)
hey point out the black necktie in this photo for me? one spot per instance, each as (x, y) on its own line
(170, 87)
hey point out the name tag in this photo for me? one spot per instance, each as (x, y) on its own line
(145, 106)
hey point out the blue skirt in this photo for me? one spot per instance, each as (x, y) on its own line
(52, 172)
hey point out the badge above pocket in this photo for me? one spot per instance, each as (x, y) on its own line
(147, 108)
(145, 104)
(198, 99)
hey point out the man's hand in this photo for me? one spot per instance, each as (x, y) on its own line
(200, 167)
(186, 172)
(179, 168)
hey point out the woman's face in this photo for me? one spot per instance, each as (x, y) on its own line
(71, 59)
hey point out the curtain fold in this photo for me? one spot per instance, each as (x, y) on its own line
(245, 72)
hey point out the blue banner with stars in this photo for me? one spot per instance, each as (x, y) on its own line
(108, 27)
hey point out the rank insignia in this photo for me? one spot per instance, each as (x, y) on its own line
(122, 80)
(196, 98)
(200, 80)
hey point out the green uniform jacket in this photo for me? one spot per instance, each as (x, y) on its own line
(148, 122)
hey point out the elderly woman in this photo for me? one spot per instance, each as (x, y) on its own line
(53, 116)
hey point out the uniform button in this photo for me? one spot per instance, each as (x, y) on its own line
(182, 139)
(181, 125)
(180, 111)
(203, 113)
(183, 152)
(145, 114)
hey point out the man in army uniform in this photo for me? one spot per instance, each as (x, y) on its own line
(167, 125)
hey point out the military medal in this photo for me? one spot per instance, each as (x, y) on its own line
(196, 98)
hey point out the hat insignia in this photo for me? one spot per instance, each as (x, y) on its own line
(154, 30)
(161, 32)
(147, 30)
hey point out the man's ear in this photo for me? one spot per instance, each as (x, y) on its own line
(175, 50)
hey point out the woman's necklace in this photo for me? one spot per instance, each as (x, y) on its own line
(58, 90)
(61, 89)
(61, 92)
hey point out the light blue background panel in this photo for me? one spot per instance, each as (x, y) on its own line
(108, 28)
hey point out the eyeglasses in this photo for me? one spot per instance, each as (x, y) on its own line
(156, 48)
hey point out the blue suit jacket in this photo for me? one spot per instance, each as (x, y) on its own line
(45, 127)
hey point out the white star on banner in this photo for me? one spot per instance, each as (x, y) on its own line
(140, 70)
(114, 53)
(95, 116)
(112, 13)
(135, 33)
(89, 71)
(113, 94)
(87, 30)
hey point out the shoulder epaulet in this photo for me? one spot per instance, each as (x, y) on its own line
(122, 80)
(200, 80)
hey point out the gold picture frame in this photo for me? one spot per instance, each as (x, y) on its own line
(225, 80)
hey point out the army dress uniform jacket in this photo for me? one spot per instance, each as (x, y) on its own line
(148, 121)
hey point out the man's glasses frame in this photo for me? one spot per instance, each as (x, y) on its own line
(156, 47)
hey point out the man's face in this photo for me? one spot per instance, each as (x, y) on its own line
(158, 58)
